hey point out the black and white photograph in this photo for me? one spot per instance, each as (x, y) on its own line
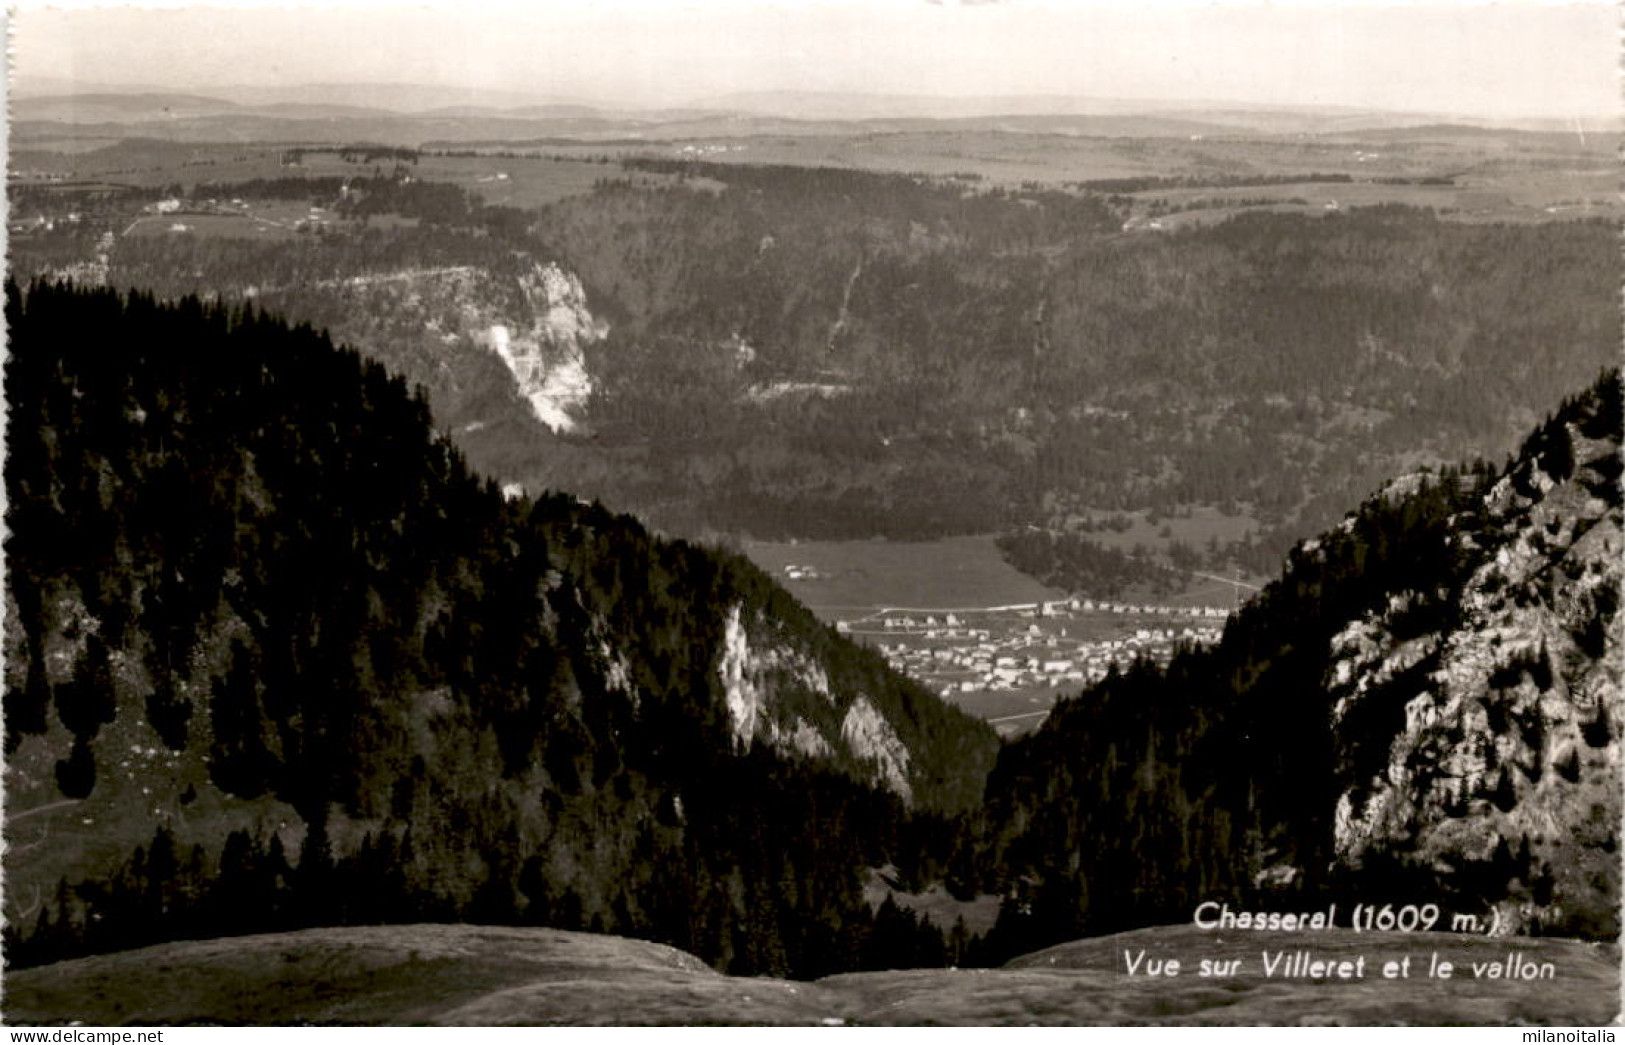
(826, 513)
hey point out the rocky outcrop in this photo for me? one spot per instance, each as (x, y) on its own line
(755, 678)
(1506, 699)
(781, 696)
(740, 669)
(448, 327)
(872, 739)
(544, 350)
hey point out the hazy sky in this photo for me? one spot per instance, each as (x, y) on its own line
(1516, 58)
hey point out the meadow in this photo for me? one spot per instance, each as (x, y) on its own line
(515, 180)
(1501, 176)
(212, 226)
(1504, 176)
(856, 578)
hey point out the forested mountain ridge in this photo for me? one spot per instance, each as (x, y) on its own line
(297, 664)
(1425, 706)
(1018, 348)
(812, 352)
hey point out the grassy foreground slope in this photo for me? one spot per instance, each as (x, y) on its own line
(484, 975)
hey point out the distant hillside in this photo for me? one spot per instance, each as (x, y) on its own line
(442, 975)
(275, 657)
(112, 107)
(81, 101)
(1426, 704)
(793, 351)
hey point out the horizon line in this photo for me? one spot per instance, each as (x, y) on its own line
(716, 101)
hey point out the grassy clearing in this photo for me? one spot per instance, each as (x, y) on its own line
(210, 226)
(49, 838)
(933, 903)
(1197, 529)
(1202, 526)
(152, 164)
(854, 580)
(1002, 707)
(1513, 177)
(1518, 197)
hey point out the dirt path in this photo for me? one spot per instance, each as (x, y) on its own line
(64, 803)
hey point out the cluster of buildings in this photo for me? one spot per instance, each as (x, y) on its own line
(44, 222)
(708, 149)
(38, 176)
(910, 621)
(1027, 646)
(313, 219)
(1026, 661)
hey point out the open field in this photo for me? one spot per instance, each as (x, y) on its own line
(1201, 525)
(856, 578)
(255, 219)
(449, 975)
(144, 163)
(1497, 176)
(1463, 203)
(515, 181)
(1470, 194)
(49, 838)
(1014, 713)
(210, 226)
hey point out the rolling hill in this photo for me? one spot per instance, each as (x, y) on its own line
(445, 975)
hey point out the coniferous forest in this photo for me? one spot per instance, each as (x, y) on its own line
(815, 352)
(257, 602)
(365, 686)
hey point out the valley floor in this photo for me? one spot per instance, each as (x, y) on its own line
(954, 615)
(487, 975)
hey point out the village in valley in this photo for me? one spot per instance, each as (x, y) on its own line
(1012, 647)
(957, 617)
(1038, 651)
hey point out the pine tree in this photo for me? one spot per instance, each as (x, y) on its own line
(88, 702)
(76, 774)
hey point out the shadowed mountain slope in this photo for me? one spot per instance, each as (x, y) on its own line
(276, 657)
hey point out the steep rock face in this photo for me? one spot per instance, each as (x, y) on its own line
(1503, 694)
(781, 696)
(478, 337)
(871, 737)
(544, 349)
